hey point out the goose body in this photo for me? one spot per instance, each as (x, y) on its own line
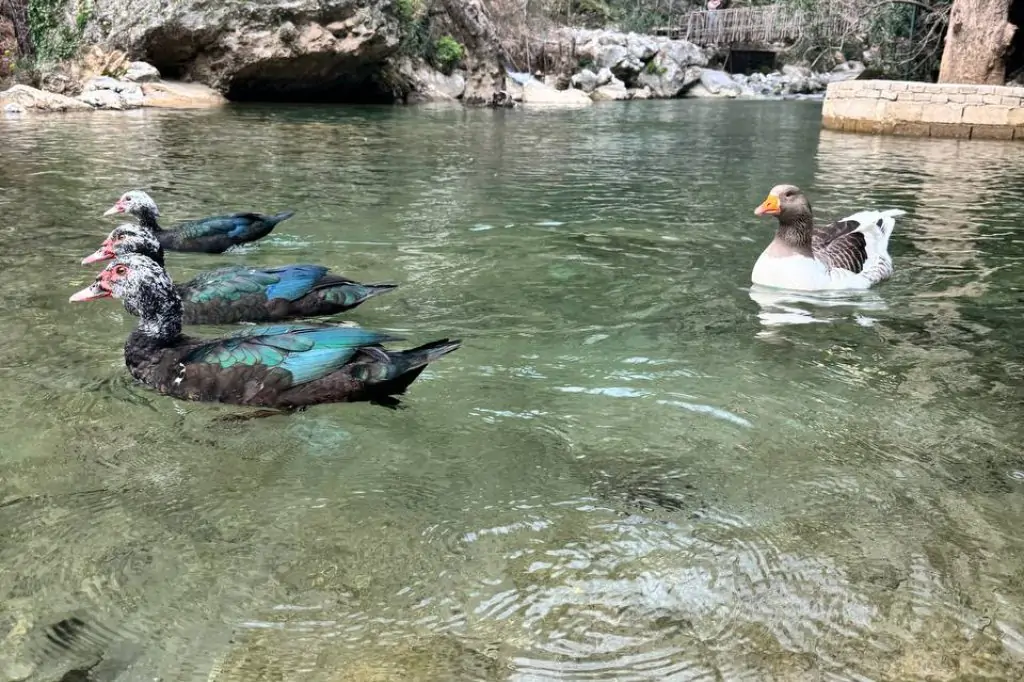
(850, 254)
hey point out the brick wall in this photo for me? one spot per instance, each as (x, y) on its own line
(925, 109)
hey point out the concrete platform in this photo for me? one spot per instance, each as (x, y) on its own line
(925, 109)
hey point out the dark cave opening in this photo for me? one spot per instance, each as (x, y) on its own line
(340, 91)
(320, 79)
(1015, 55)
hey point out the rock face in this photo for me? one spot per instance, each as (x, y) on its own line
(613, 91)
(666, 67)
(537, 94)
(271, 49)
(141, 72)
(173, 95)
(426, 84)
(105, 92)
(8, 47)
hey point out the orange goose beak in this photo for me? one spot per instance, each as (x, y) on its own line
(770, 206)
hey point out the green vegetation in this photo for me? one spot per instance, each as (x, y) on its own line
(52, 37)
(654, 69)
(447, 53)
(414, 27)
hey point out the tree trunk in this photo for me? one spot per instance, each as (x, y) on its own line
(977, 41)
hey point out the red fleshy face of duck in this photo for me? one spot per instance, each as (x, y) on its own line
(105, 252)
(103, 287)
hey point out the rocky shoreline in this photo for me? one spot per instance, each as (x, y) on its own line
(601, 65)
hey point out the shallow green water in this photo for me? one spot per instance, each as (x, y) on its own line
(631, 471)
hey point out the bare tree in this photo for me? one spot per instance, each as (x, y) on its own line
(977, 42)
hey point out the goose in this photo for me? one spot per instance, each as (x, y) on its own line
(850, 254)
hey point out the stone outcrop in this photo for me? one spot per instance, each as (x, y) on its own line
(105, 92)
(426, 84)
(667, 67)
(175, 95)
(31, 99)
(308, 49)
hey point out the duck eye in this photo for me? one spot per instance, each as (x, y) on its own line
(120, 271)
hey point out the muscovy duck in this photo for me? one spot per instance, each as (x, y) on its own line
(237, 293)
(214, 234)
(283, 365)
(852, 253)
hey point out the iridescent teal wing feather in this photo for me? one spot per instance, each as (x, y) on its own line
(307, 353)
(290, 282)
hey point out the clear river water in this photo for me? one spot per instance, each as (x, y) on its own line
(634, 469)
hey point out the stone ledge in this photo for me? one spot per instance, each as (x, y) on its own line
(925, 109)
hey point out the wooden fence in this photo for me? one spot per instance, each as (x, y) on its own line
(765, 24)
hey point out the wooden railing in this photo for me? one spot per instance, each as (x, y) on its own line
(765, 24)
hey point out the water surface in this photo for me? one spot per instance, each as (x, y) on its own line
(634, 469)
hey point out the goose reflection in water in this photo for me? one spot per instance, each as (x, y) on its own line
(784, 307)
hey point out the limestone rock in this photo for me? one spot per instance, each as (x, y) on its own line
(794, 71)
(102, 99)
(629, 56)
(640, 93)
(613, 91)
(668, 79)
(141, 72)
(95, 61)
(104, 92)
(38, 100)
(256, 50)
(8, 47)
(585, 80)
(426, 84)
(715, 84)
(13, 109)
(536, 93)
(175, 95)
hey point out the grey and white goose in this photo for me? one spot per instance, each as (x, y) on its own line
(849, 254)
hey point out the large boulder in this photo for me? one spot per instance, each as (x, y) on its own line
(715, 84)
(585, 80)
(535, 93)
(426, 84)
(635, 59)
(174, 95)
(675, 67)
(104, 92)
(271, 49)
(141, 72)
(31, 99)
(613, 91)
